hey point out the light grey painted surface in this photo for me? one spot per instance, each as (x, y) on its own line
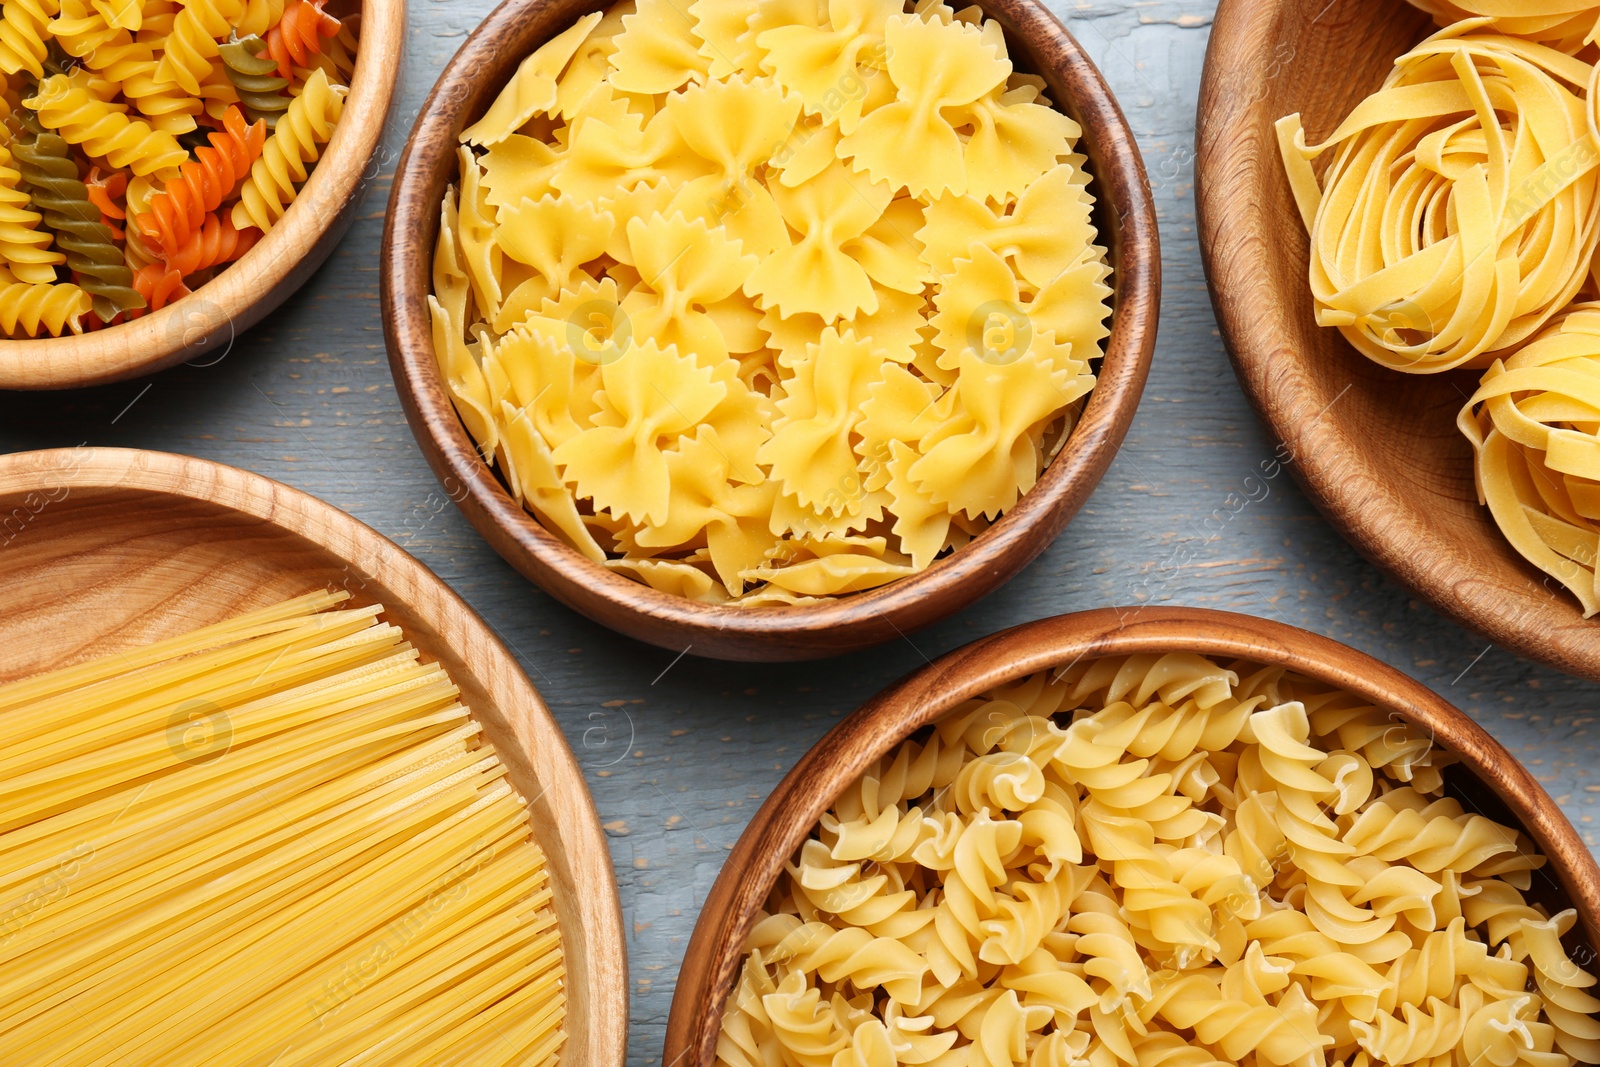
(680, 758)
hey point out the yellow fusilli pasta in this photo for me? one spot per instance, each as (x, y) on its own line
(295, 143)
(1159, 861)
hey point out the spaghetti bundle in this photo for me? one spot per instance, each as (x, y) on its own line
(276, 840)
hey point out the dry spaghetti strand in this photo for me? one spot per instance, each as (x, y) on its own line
(280, 839)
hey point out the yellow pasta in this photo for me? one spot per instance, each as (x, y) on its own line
(295, 145)
(1535, 426)
(764, 303)
(1462, 206)
(276, 839)
(1159, 860)
(1457, 226)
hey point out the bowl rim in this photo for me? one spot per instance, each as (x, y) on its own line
(716, 948)
(590, 916)
(780, 633)
(245, 291)
(1534, 618)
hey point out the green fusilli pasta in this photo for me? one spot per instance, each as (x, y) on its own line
(261, 91)
(51, 179)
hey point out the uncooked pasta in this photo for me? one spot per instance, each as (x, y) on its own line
(1535, 425)
(147, 144)
(759, 305)
(279, 839)
(1462, 206)
(1456, 226)
(1160, 860)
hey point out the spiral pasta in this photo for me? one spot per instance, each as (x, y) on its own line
(160, 285)
(66, 106)
(191, 44)
(29, 309)
(103, 191)
(214, 242)
(165, 110)
(24, 248)
(52, 182)
(1159, 861)
(81, 26)
(260, 90)
(298, 35)
(259, 17)
(203, 182)
(130, 63)
(296, 142)
(24, 33)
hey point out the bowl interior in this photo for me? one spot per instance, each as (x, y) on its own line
(108, 549)
(239, 296)
(1124, 214)
(1488, 779)
(1377, 450)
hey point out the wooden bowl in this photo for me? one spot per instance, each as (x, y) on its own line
(106, 549)
(1376, 450)
(242, 294)
(1124, 214)
(1488, 777)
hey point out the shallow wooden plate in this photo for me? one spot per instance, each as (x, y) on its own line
(1488, 779)
(1124, 214)
(107, 549)
(214, 315)
(1376, 450)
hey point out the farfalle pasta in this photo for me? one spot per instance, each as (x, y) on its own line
(1457, 226)
(1160, 861)
(761, 305)
(146, 144)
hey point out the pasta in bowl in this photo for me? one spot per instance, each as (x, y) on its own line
(149, 148)
(1391, 266)
(1140, 837)
(774, 333)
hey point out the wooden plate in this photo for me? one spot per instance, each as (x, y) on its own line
(241, 295)
(1376, 450)
(1124, 214)
(1488, 778)
(106, 549)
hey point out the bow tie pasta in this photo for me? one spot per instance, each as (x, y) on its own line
(765, 303)
(1159, 859)
(146, 144)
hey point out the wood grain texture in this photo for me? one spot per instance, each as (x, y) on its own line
(1377, 451)
(1196, 509)
(1125, 216)
(246, 291)
(1487, 773)
(126, 547)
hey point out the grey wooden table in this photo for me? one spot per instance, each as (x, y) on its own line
(679, 754)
